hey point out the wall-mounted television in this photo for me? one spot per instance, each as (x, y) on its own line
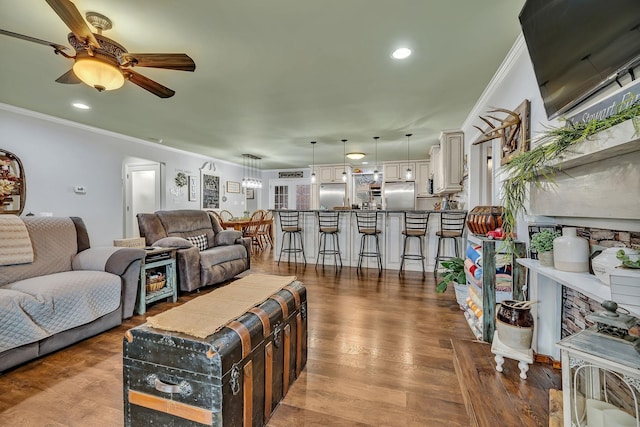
(579, 47)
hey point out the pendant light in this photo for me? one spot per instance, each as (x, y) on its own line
(313, 164)
(376, 174)
(344, 157)
(409, 172)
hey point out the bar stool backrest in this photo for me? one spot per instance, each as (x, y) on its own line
(328, 221)
(368, 222)
(416, 223)
(452, 224)
(289, 221)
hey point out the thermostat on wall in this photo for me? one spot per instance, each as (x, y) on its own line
(80, 189)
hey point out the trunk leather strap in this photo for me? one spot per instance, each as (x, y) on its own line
(268, 380)
(243, 333)
(287, 359)
(171, 407)
(264, 318)
(298, 344)
(295, 293)
(248, 394)
(283, 304)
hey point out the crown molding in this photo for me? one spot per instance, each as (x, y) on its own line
(518, 48)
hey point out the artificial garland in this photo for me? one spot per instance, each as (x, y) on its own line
(531, 166)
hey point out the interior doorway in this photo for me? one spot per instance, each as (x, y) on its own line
(142, 193)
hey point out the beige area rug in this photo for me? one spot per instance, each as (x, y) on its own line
(207, 314)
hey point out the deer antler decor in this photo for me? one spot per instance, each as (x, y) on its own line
(513, 130)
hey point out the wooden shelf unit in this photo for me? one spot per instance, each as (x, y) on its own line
(489, 250)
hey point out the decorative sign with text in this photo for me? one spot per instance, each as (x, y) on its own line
(610, 105)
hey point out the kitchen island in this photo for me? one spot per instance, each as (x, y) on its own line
(391, 239)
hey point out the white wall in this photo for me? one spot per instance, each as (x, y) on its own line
(58, 155)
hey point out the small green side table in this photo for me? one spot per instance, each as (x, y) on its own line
(161, 261)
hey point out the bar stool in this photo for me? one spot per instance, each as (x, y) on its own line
(415, 225)
(451, 227)
(369, 227)
(290, 226)
(328, 227)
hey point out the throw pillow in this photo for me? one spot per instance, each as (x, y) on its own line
(173, 242)
(199, 241)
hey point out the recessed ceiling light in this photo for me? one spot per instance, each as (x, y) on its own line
(355, 156)
(81, 106)
(401, 53)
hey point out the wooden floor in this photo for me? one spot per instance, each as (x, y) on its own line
(379, 355)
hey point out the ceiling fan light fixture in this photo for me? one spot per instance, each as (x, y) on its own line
(355, 156)
(98, 73)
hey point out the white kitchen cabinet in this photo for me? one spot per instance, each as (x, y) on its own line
(423, 173)
(447, 163)
(332, 173)
(396, 171)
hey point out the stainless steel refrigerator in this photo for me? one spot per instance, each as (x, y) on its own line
(333, 195)
(399, 195)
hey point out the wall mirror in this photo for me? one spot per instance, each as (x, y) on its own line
(13, 188)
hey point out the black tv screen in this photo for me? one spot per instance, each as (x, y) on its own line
(578, 47)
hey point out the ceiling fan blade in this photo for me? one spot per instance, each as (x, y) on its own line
(70, 15)
(69, 78)
(33, 39)
(173, 61)
(148, 84)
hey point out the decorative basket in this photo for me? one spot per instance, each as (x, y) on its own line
(483, 219)
(155, 282)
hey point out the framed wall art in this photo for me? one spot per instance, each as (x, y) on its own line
(250, 194)
(233, 187)
(209, 191)
(193, 188)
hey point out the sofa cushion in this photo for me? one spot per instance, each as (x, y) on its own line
(199, 241)
(220, 254)
(173, 242)
(54, 242)
(227, 237)
(187, 223)
(53, 303)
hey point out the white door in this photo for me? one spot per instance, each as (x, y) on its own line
(142, 194)
(294, 194)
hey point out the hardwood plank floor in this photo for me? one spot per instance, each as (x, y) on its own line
(379, 355)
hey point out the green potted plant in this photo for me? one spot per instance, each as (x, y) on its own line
(542, 243)
(454, 273)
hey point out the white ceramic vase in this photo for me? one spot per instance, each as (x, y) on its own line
(570, 252)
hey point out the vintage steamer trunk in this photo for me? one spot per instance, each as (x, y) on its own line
(234, 377)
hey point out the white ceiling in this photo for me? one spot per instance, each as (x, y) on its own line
(273, 75)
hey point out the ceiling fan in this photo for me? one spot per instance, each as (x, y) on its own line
(101, 62)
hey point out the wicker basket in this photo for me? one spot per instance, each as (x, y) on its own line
(155, 282)
(135, 242)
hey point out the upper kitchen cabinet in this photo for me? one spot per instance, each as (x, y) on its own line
(396, 171)
(447, 163)
(332, 173)
(423, 173)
